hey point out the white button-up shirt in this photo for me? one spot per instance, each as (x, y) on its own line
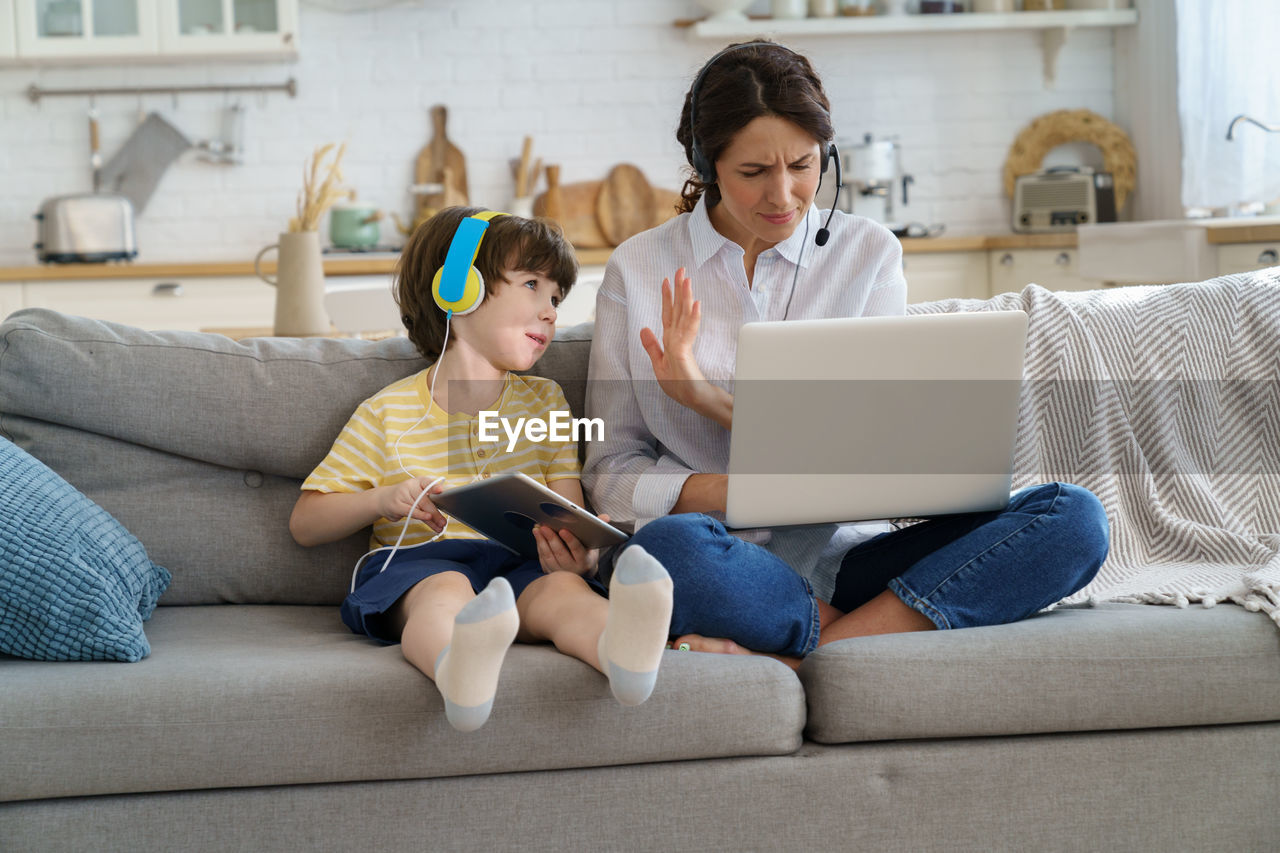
(651, 443)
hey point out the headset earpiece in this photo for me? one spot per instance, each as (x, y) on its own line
(705, 169)
(702, 166)
(458, 287)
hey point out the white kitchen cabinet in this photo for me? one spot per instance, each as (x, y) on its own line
(945, 275)
(580, 305)
(8, 40)
(1245, 257)
(213, 27)
(1053, 269)
(10, 298)
(75, 29)
(50, 31)
(191, 304)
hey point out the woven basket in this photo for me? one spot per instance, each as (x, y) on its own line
(1057, 128)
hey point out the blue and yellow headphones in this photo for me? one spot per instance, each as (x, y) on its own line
(458, 287)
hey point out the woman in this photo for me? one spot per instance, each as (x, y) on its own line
(756, 129)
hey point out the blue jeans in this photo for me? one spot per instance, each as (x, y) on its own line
(960, 571)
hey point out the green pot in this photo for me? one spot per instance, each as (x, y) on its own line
(354, 226)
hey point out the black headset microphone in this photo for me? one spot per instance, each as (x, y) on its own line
(823, 234)
(706, 170)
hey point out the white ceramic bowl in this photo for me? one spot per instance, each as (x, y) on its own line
(725, 10)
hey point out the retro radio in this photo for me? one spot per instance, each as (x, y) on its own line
(1061, 198)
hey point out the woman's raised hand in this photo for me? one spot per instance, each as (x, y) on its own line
(674, 366)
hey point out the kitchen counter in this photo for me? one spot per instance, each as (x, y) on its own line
(981, 243)
(333, 266)
(80, 272)
(1224, 234)
(1246, 232)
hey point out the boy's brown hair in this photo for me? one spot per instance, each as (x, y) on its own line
(510, 243)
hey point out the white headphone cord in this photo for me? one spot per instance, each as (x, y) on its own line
(408, 519)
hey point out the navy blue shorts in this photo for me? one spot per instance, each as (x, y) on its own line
(480, 560)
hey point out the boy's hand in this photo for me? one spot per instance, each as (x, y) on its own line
(561, 551)
(395, 501)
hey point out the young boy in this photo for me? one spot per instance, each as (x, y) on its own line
(454, 600)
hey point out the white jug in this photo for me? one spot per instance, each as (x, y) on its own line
(299, 285)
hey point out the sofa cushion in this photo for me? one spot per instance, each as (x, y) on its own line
(1079, 668)
(74, 584)
(199, 443)
(248, 695)
(267, 404)
(223, 532)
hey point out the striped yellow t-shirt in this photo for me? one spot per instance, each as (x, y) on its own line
(365, 453)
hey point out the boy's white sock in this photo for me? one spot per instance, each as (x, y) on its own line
(467, 670)
(635, 634)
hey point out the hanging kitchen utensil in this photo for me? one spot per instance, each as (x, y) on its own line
(228, 150)
(136, 169)
(432, 160)
(624, 205)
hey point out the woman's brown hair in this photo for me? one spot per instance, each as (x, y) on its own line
(510, 243)
(762, 78)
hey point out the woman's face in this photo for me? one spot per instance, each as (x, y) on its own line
(768, 176)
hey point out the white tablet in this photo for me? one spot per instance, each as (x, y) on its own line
(506, 507)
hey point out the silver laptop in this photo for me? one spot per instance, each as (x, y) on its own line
(874, 417)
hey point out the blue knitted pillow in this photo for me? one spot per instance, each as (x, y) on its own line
(74, 584)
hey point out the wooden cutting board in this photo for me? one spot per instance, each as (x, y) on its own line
(578, 206)
(625, 204)
(664, 205)
(435, 157)
(576, 211)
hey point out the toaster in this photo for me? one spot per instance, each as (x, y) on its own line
(1061, 198)
(88, 228)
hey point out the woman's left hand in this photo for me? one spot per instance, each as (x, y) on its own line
(674, 366)
(561, 551)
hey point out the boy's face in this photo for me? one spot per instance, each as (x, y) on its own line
(514, 324)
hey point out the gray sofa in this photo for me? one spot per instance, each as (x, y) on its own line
(259, 722)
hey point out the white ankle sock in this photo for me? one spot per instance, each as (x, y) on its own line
(467, 670)
(635, 634)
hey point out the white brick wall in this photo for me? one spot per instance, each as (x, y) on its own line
(596, 82)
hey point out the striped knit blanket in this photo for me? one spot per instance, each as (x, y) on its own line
(1165, 402)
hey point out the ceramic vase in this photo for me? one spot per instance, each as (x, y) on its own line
(299, 284)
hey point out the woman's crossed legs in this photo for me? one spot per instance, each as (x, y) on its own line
(948, 572)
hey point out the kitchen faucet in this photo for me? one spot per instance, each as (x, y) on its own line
(1242, 117)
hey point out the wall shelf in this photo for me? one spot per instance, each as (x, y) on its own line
(1054, 27)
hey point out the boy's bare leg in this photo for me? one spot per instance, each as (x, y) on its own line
(424, 617)
(622, 638)
(560, 608)
(459, 639)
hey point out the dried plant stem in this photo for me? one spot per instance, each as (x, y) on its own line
(319, 194)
